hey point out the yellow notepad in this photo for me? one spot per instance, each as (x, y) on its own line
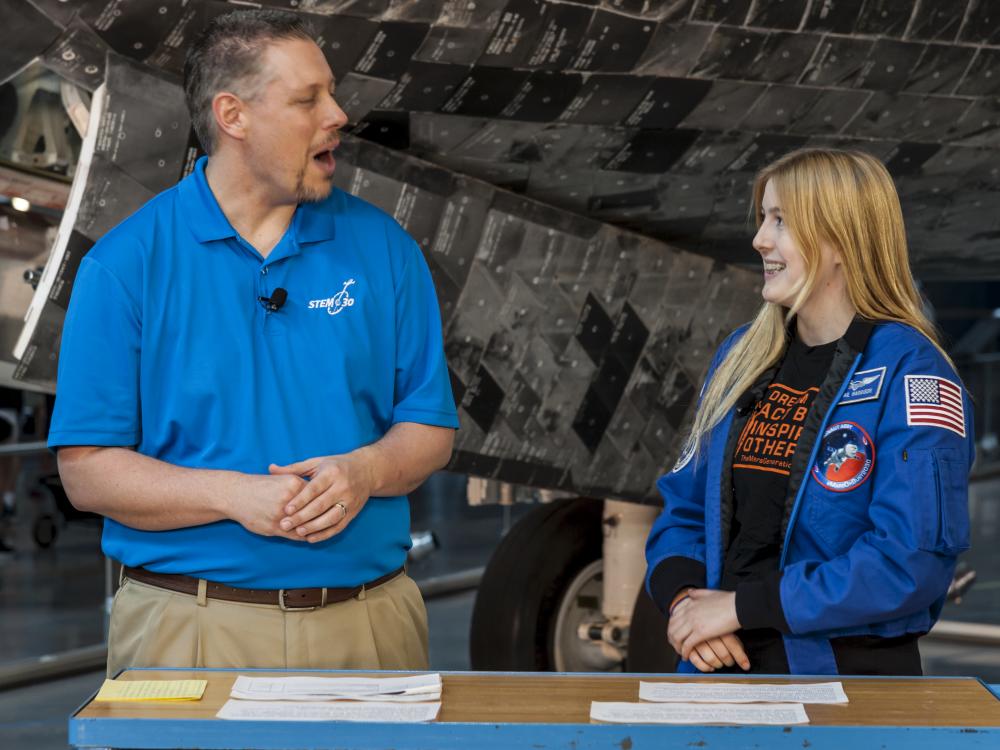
(151, 690)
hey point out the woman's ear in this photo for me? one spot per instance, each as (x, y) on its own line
(834, 253)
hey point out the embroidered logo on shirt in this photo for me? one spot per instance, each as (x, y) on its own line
(865, 385)
(337, 303)
(934, 402)
(846, 457)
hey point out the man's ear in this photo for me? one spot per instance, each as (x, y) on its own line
(230, 115)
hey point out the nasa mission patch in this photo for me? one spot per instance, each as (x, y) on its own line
(846, 457)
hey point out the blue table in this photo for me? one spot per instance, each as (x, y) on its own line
(544, 711)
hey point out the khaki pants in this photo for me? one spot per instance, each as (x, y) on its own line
(381, 628)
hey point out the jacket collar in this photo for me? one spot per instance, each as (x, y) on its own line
(858, 333)
(855, 338)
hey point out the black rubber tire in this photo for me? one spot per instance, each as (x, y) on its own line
(514, 616)
(648, 649)
(44, 531)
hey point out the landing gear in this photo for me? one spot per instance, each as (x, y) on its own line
(525, 584)
(563, 592)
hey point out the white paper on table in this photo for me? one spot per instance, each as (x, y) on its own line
(328, 696)
(728, 692)
(374, 697)
(425, 687)
(699, 713)
(307, 711)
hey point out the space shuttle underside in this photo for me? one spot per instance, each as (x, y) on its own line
(576, 173)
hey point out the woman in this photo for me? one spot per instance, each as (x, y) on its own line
(812, 523)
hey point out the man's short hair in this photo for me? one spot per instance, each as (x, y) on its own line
(228, 56)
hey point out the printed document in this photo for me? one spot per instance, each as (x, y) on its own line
(425, 687)
(728, 692)
(408, 713)
(699, 713)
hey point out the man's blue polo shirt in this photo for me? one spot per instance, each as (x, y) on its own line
(167, 348)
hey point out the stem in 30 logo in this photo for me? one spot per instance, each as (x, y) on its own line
(337, 303)
(341, 299)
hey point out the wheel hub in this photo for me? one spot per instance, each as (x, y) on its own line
(579, 617)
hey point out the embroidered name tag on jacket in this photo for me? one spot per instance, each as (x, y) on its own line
(934, 402)
(865, 385)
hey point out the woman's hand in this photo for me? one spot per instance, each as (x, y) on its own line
(704, 615)
(726, 650)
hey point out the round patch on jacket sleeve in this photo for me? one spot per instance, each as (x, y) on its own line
(846, 457)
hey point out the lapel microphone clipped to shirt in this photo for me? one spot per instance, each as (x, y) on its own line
(275, 301)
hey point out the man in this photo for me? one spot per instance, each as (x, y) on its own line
(251, 379)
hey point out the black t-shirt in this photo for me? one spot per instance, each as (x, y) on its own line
(762, 461)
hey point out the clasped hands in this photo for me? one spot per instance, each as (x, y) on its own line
(283, 503)
(702, 629)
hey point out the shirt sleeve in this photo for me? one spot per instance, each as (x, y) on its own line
(758, 603)
(671, 575)
(422, 385)
(97, 390)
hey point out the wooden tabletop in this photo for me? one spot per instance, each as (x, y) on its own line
(544, 698)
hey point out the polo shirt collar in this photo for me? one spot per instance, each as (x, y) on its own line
(312, 222)
(202, 210)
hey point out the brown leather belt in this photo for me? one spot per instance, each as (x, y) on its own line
(284, 598)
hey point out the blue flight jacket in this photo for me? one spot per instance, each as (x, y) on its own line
(869, 544)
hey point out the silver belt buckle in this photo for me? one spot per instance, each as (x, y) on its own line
(285, 608)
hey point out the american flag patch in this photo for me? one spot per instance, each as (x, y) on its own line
(935, 402)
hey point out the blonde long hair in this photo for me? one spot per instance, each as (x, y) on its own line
(845, 199)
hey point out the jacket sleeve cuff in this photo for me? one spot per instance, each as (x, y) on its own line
(758, 604)
(670, 576)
